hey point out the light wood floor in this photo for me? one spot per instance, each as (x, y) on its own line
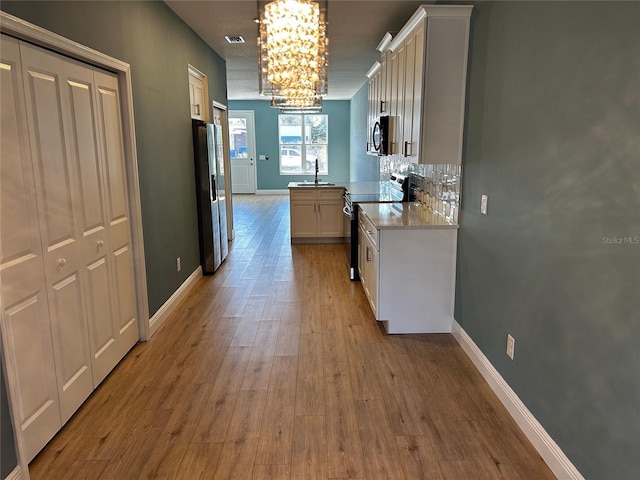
(274, 368)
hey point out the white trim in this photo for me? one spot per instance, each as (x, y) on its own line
(429, 11)
(170, 305)
(15, 475)
(549, 450)
(375, 68)
(284, 191)
(384, 43)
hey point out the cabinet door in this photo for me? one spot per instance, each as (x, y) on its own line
(407, 105)
(49, 102)
(418, 79)
(196, 96)
(303, 219)
(25, 315)
(118, 214)
(372, 276)
(330, 218)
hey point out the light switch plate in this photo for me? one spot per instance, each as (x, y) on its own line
(511, 346)
(483, 204)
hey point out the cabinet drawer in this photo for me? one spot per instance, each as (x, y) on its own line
(308, 193)
(330, 193)
(371, 231)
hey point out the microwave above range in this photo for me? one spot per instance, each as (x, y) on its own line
(381, 135)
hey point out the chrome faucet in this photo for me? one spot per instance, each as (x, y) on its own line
(317, 170)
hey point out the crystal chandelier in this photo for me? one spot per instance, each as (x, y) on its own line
(293, 55)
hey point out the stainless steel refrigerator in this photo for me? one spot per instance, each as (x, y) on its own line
(210, 191)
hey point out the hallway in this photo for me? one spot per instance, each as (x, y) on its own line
(274, 368)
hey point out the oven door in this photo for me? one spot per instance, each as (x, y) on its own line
(350, 211)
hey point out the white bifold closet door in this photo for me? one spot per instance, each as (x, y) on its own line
(79, 179)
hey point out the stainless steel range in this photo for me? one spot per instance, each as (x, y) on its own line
(393, 190)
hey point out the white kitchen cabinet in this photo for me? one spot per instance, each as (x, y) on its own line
(427, 62)
(196, 96)
(67, 158)
(368, 260)
(408, 270)
(316, 214)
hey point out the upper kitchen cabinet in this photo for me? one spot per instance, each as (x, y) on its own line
(424, 70)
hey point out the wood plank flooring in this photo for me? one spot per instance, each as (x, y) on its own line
(275, 369)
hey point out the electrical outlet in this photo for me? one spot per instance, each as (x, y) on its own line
(511, 345)
(483, 204)
(178, 264)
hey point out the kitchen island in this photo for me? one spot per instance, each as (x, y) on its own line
(316, 212)
(407, 266)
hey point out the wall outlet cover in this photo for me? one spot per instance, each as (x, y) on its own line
(511, 345)
(483, 204)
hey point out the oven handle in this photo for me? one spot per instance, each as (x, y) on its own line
(347, 211)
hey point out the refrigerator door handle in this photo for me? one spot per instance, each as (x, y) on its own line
(214, 191)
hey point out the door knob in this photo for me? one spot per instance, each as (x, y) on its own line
(62, 262)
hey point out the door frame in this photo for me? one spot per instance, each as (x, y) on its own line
(23, 30)
(231, 234)
(251, 140)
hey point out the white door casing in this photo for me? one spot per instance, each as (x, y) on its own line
(242, 136)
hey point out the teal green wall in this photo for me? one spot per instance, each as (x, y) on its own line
(158, 46)
(553, 138)
(363, 168)
(266, 123)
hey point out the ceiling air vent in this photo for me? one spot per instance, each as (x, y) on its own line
(234, 38)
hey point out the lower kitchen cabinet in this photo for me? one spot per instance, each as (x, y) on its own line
(316, 214)
(408, 275)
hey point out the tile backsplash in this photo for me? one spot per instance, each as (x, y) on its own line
(435, 186)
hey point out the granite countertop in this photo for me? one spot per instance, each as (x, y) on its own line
(407, 215)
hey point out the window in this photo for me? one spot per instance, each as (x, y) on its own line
(303, 139)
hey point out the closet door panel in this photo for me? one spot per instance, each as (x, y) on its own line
(103, 331)
(25, 318)
(70, 344)
(112, 150)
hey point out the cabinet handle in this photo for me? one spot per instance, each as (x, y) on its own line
(382, 102)
(197, 106)
(62, 262)
(406, 149)
(367, 254)
(100, 243)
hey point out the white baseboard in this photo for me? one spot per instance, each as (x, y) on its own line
(15, 475)
(169, 306)
(549, 450)
(273, 192)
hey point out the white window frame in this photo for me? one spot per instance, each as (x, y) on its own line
(303, 145)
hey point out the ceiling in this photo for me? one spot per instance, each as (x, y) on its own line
(355, 27)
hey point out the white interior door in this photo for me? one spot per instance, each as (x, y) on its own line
(25, 315)
(242, 151)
